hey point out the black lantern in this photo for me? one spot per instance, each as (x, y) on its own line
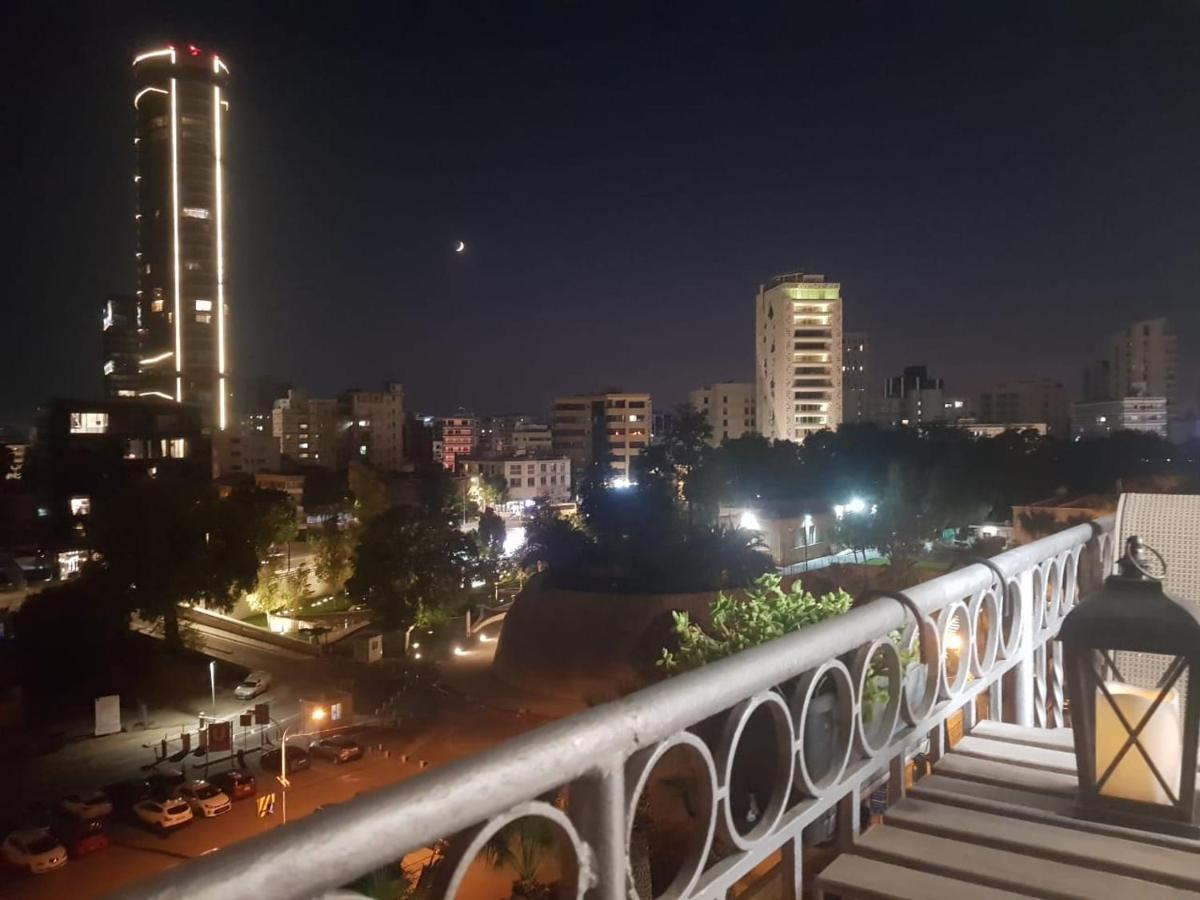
(1135, 747)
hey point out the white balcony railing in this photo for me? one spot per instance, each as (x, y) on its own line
(741, 721)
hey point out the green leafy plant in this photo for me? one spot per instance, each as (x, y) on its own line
(765, 612)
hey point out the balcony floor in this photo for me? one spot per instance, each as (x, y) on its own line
(995, 820)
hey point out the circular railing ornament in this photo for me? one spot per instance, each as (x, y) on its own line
(985, 629)
(924, 675)
(769, 809)
(466, 846)
(875, 721)
(638, 769)
(955, 637)
(808, 702)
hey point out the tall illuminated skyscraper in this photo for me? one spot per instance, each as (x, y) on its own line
(181, 100)
(798, 356)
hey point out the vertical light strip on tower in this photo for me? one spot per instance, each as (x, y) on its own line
(175, 224)
(220, 254)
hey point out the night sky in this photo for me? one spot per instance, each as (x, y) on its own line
(997, 186)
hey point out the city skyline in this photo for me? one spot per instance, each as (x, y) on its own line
(342, 246)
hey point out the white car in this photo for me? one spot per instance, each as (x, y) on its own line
(87, 804)
(35, 849)
(206, 800)
(163, 814)
(254, 684)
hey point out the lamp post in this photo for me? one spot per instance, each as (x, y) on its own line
(212, 683)
(317, 714)
(1135, 746)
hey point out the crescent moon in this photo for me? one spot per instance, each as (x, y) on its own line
(460, 247)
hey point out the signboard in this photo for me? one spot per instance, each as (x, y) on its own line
(262, 714)
(220, 736)
(246, 719)
(108, 714)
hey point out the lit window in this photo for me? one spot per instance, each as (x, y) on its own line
(203, 306)
(89, 422)
(109, 367)
(194, 212)
(156, 305)
(204, 318)
(81, 506)
(192, 266)
(362, 450)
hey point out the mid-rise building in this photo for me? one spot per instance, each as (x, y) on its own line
(181, 102)
(244, 448)
(530, 439)
(120, 346)
(306, 428)
(609, 429)
(511, 433)
(457, 436)
(858, 384)
(798, 356)
(18, 452)
(527, 477)
(1101, 418)
(728, 407)
(1028, 400)
(1143, 360)
(373, 427)
(912, 398)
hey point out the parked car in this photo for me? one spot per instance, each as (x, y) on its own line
(165, 783)
(236, 783)
(252, 685)
(297, 760)
(81, 835)
(206, 800)
(163, 815)
(87, 804)
(34, 849)
(337, 748)
(125, 794)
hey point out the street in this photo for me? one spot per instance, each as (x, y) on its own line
(136, 853)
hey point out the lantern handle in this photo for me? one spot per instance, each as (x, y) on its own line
(908, 603)
(1133, 563)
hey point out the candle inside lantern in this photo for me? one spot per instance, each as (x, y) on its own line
(1162, 738)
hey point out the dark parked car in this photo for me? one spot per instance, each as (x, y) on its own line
(336, 749)
(237, 783)
(81, 836)
(297, 760)
(165, 782)
(126, 793)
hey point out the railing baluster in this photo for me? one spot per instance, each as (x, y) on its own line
(1023, 678)
(599, 814)
(1058, 718)
(1039, 687)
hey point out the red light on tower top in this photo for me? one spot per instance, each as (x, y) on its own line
(193, 50)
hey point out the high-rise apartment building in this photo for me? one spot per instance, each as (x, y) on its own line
(798, 356)
(728, 407)
(457, 438)
(1100, 418)
(306, 428)
(1143, 361)
(1027, 401)
(119, 345)
(913, 398)
(180, 100)
(858, 388)
(373, 427)
(611, 428)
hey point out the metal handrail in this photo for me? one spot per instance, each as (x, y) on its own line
(319, 854)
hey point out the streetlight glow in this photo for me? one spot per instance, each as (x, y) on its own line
(749, 521)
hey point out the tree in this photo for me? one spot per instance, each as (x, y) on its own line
(326, 492)
(678, 455)
(163, 542)
(279, 591)
(370, 491)
(409, 564)
(493, 490)
(334, 562)
(522, 846)
(491, 533)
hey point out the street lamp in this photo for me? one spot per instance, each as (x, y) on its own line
(212, 682)
(1135, 747)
